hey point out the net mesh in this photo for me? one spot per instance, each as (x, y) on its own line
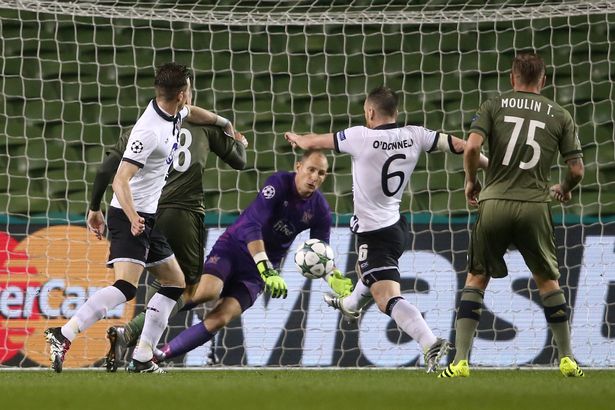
(74, 73)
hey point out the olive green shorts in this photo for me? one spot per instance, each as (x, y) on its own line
(525, 225)
(184, 231)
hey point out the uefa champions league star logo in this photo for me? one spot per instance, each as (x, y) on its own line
(268, 192)
(136, 146)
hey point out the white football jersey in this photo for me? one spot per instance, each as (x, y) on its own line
(151, 146)
(383, 159)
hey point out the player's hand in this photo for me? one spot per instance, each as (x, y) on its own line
(274, 283)
(229, 129)
(276, 286)
(239, 137)
(472, 190)
(96, 223)
(558, 194)
(137, 225)
(292, 138)
(339, 283)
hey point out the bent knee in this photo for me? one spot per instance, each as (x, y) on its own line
(128, 289)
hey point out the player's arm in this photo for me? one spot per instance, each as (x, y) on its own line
(198, 115)
(571, 151)
(104, 175)
(576, 170)
(311, 141)
(121, 187)
(257, 214)
(471, 163)
(451, 144)
(230, 150)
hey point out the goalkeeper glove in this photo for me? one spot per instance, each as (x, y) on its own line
(274, 283)
(340, 284)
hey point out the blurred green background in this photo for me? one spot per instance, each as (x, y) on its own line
(70, 83)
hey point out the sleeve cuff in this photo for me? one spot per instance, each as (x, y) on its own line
(133, 162)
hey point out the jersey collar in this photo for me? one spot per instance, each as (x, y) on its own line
(175, 119)
(386, 126)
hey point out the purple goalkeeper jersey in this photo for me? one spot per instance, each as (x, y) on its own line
(279, 214)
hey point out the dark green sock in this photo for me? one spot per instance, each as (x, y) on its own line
(468, 316)
(556, 313)
(135, 326)
(133, 329)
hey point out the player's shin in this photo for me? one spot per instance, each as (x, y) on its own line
(134, 328)
(188, 340)
(410, 320)
(156, 319)
(468, 317)
(556, 313)
(96, 307)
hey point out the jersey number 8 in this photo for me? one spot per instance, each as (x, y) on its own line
(183, 152)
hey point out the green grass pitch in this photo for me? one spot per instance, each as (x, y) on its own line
(306, 389)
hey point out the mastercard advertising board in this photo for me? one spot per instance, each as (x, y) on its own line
(45, 276)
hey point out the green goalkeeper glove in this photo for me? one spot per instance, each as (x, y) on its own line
(340, 284)
(274, 283)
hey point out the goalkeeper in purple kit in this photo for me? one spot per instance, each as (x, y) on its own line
(246, 258)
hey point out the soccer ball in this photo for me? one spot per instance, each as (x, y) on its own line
(314, 258)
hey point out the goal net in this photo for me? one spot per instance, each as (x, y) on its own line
(75, 73)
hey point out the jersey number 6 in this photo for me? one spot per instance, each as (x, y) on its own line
(385, 175)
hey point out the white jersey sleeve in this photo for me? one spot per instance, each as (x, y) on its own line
(351, 140)
(428, 139)
(184, 113)
(141, 143)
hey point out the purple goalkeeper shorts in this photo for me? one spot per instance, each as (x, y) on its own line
(232, 263)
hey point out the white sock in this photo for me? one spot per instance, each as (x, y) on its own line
(410, 320)
(94, 309)
(359, 297)
(156, 319)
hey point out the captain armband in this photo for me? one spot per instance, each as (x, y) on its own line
(445, 144)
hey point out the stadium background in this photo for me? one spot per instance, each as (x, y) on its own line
(69, 83)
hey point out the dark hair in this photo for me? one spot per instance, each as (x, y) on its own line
(171, 79)
(529, 68)
(384, 100)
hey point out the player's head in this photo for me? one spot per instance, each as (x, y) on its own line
(380, 107)
(528, 70)
(311, 172)
(173, 83)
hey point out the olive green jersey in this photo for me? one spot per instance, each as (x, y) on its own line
(184, 187)
(524, 132)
